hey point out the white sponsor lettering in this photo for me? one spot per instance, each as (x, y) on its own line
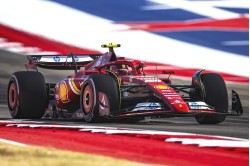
(199, 105)
(148, 106)
(65, 58)
(171, 95)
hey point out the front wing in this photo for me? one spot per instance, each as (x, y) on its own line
(195, 108)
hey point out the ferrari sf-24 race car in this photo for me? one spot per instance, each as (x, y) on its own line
(105, 86)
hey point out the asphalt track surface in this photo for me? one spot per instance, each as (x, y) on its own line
(232, 127)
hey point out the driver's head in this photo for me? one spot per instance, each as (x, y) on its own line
(120, 69)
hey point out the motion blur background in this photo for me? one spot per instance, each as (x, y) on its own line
(180, 35)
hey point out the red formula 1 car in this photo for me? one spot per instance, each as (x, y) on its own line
(106, 87)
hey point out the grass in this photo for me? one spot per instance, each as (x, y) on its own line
(12, 155)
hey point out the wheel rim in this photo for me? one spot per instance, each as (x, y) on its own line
(88, 99)
(12, 97)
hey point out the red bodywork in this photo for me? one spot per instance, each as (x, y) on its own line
(68, 91)
(160, 96)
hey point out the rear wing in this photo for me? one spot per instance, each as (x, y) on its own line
(60, 62)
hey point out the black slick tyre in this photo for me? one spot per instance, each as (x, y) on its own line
(215, 94)
(27, 95)
(94, 86)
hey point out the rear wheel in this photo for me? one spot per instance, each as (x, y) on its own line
(99, 95)
(27, 95)
(215, 94)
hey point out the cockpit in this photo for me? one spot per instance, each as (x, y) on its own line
(121, 69)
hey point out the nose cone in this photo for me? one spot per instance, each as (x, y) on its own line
(181, 107)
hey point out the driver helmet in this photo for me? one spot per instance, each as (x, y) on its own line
(120, 69)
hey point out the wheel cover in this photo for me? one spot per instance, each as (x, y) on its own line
(12, 96)
(88, 99)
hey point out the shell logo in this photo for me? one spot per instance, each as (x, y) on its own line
(63, 92)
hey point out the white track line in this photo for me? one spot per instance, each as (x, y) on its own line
(212, 141)
(11, 142)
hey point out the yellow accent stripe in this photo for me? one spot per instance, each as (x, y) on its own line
(74, 86)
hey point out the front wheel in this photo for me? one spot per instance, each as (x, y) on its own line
(99, 95)
(214, 94)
